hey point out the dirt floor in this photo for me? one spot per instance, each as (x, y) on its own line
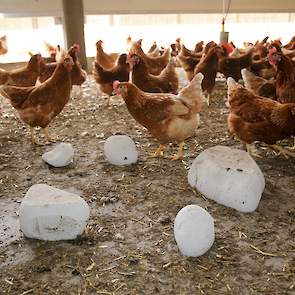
(130, 246)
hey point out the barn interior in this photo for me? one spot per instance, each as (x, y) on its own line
(130, 242)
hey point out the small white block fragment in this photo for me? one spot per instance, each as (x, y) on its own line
(120, 150)
(194, 230)
(228, 176)
(51, 214)
(62, 155)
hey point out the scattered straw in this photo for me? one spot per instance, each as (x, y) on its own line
(264, 253)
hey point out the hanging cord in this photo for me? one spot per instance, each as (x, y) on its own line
(225, 12)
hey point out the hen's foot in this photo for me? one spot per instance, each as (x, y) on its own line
(179, 155)
(252, 151)
(282, 151)
(207, 98)
(49, 138)
(159, 152)
(176, 157)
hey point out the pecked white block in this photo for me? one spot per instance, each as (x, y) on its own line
(120, 150)
(48, 213)
(194, 231)
(61, 155)
(228, 176)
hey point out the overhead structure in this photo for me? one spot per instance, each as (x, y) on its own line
(92, 7)
(73, 23)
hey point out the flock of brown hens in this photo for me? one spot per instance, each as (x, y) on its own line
(263, 110)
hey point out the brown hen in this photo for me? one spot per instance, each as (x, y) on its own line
(25, 76)
(38, 105)
(255, 118)
(78, 75)
(208, 66)
(259, 85)
(3, 45)
(168, 117)
(155, 64)
(232, 66)
(166, 82)
(285, 77)
(107, 61)
(105, 78)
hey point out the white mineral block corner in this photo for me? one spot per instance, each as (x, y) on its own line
(120, 150)
(194, 230)
(51, 214)
(61, 155)
(228, 176)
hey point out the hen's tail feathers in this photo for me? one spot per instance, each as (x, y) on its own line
(49, 47)
(4, 94)
(192, 93)
(16, 95)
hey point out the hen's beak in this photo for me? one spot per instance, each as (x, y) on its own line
(116, 91)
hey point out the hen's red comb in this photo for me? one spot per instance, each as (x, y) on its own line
(116, 84)
(130, 54)
(77, 46)
(272, 50)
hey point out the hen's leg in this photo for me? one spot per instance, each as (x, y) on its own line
(33, 138)
(207, 97)
(286, 153)
(159, 152)
(179, 155)
(108, 100)
(47, 136)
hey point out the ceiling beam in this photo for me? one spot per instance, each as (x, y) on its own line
(92, 7)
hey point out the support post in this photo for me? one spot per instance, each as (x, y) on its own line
(73, 24)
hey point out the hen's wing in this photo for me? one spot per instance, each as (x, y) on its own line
(284, 116)
(159, 108)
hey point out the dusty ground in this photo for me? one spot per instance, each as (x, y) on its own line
(130, 248)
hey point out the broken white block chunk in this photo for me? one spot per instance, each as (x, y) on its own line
(228, 176)
(120, 150)
(62, 155)
(51, 214)
(194, 230)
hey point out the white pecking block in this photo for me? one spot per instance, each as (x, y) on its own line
(51, 214)
(62, 155)
(228, 176)
(120, 150)
(194, 230)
